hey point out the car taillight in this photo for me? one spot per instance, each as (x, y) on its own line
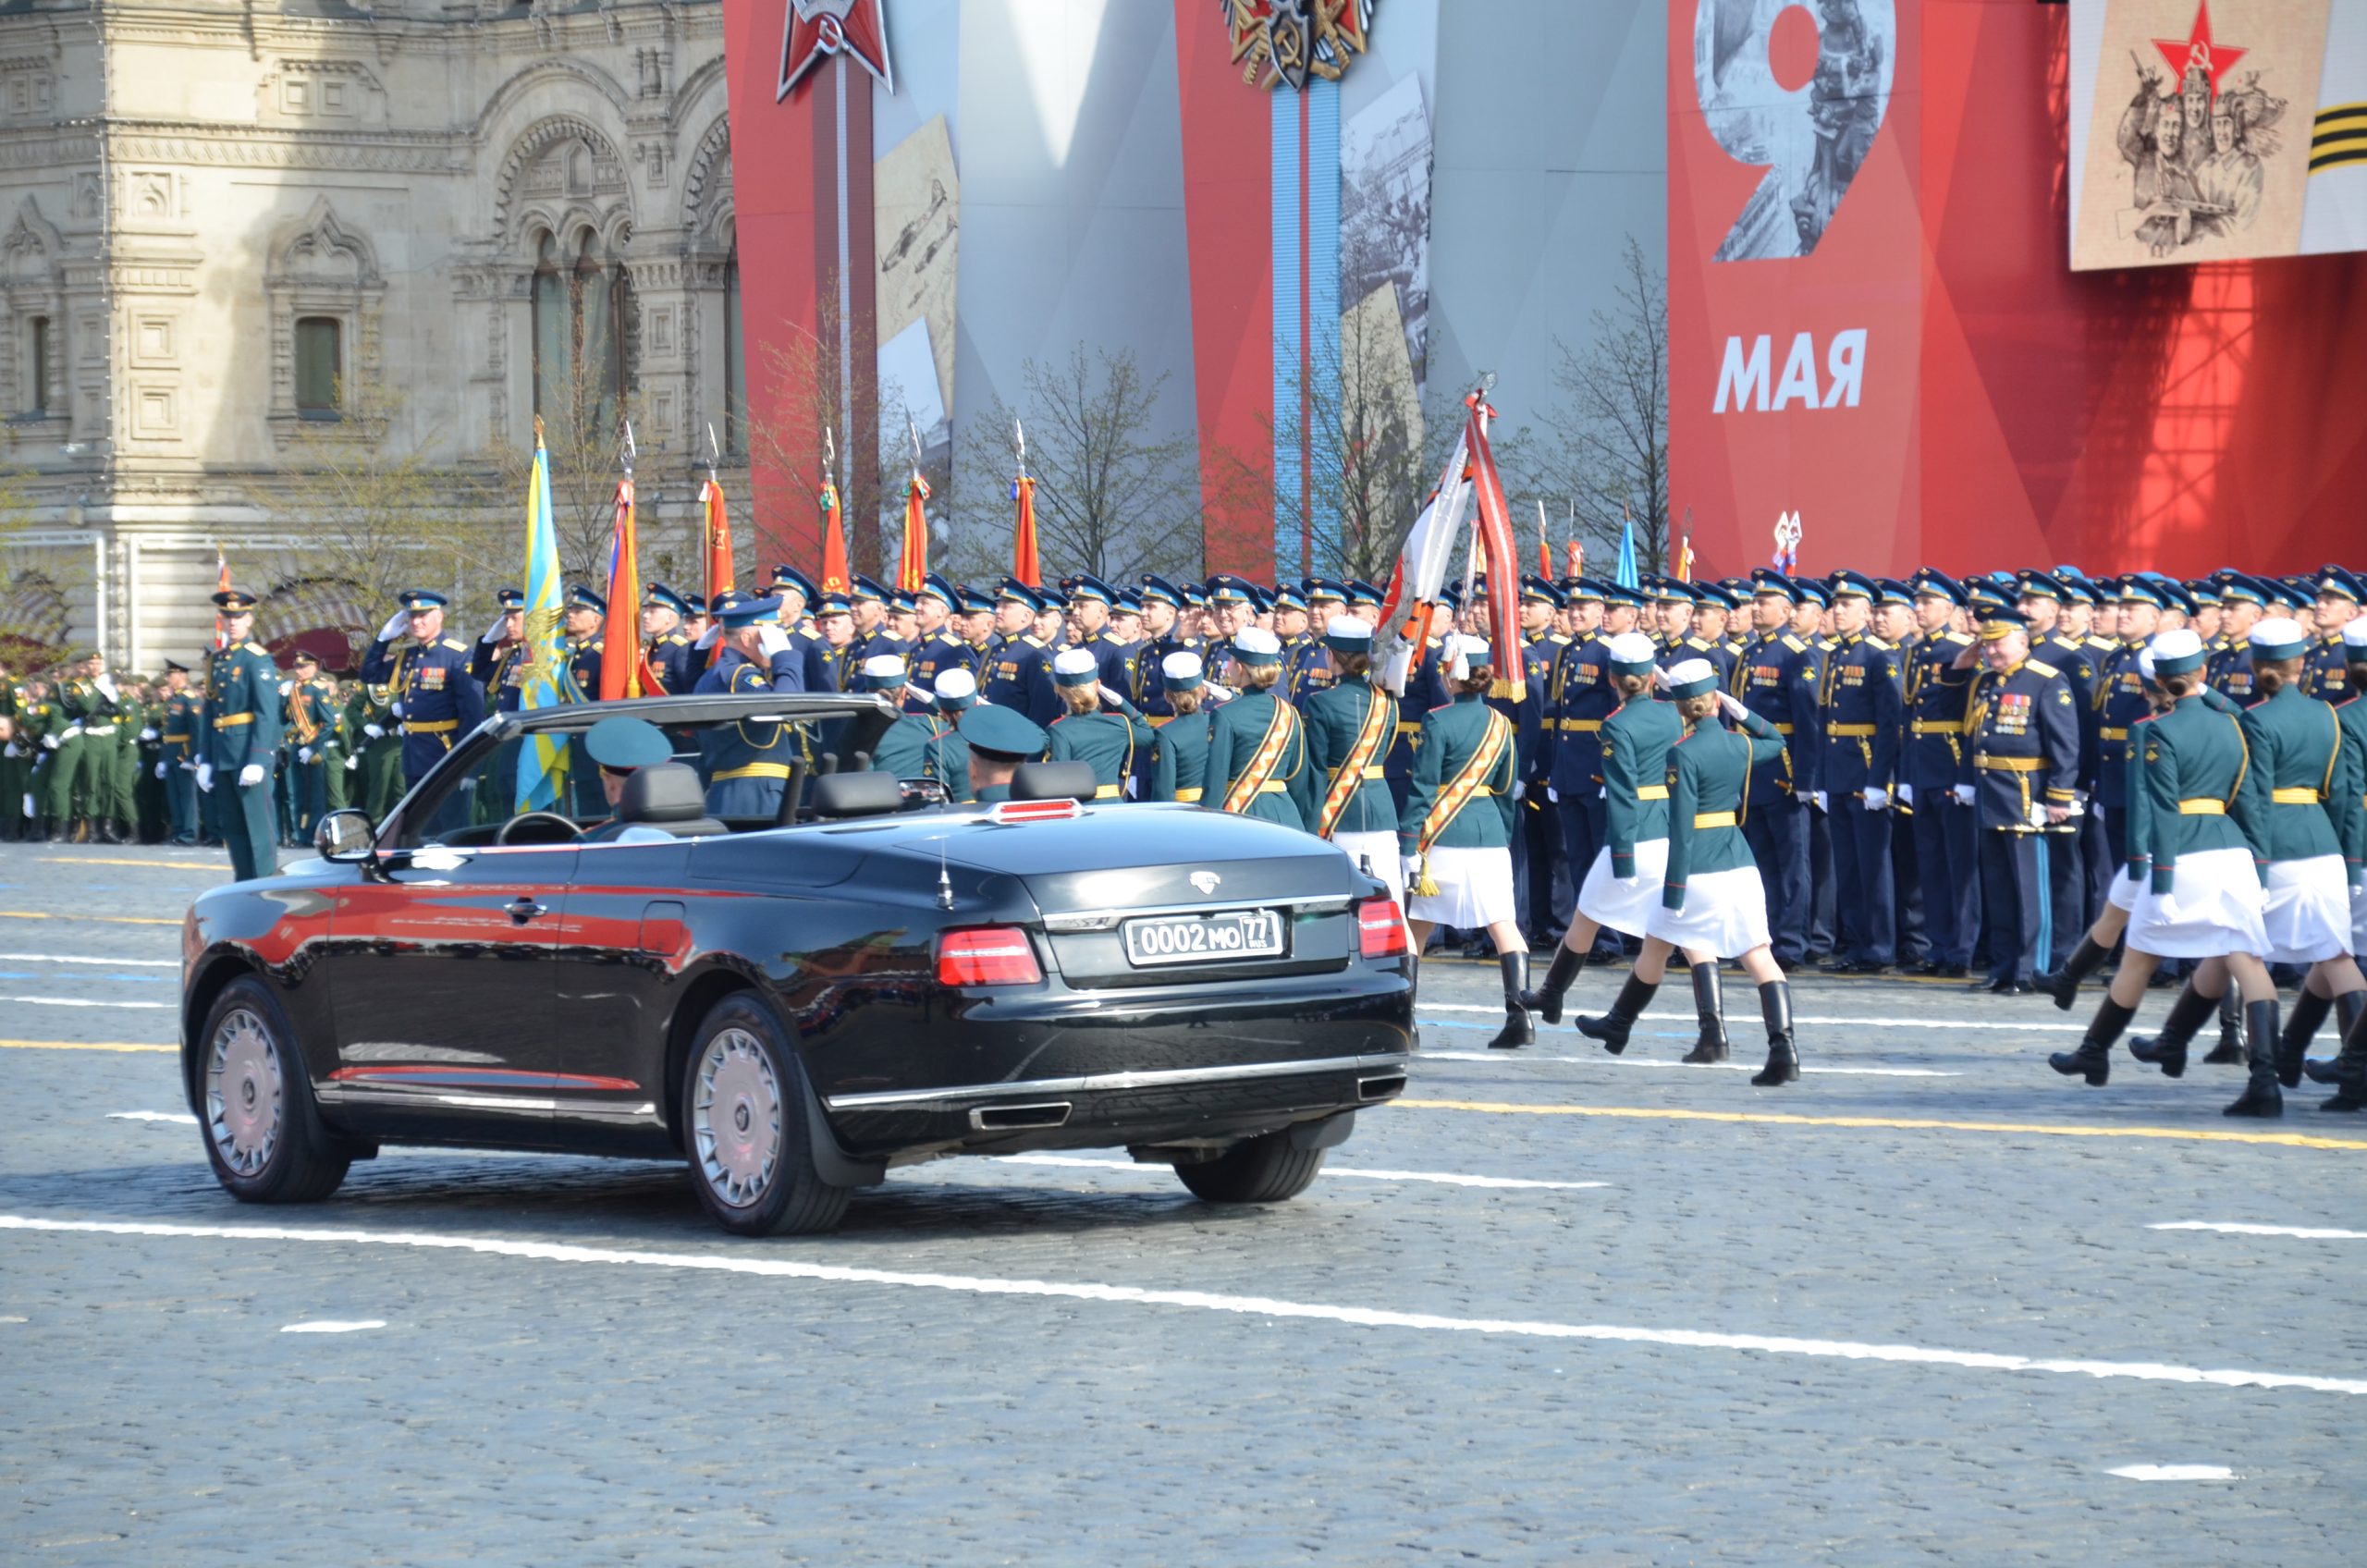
(998, 955)
(1380, 929)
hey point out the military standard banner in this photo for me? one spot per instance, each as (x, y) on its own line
(2209, 131)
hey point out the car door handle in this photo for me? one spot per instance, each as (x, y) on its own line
(523, 908)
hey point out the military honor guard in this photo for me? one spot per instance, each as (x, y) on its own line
(1863, 707)
(585, 619)
(310, 721)
(1624, 878)
(1350, 723)
(239, 730)
(433, 695)
(1019, 672)
(1179, 759)
(2347, 1069)
(671, 657)
(747, 764)
(2020, 776)
(1107, 738)
(1258, 760)
(1454, 833)
(183, 710)
(940, 646)
(947, 755)
(498, 662)
(1940, 831)
(2325, 670)
(1778, 677)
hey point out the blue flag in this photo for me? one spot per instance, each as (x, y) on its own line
(542, 761)
(1627, 576)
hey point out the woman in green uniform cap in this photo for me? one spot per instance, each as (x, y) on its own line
(1104, 739)
(1179, 754)
(1257, 744)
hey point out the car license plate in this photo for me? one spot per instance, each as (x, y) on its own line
(1204, 938)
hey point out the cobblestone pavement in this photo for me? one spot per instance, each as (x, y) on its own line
(663, 1394)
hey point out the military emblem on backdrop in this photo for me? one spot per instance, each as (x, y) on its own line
(815, 30)
(2198, 122)
(1280, 43)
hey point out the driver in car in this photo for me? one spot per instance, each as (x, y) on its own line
(620, 746)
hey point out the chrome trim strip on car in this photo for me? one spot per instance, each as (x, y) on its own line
(1115, 1081)
(1103, 919)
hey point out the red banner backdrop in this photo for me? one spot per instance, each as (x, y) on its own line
(1930, 383)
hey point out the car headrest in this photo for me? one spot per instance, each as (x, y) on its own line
(855, 794)
(1053, 781)
(666, 791)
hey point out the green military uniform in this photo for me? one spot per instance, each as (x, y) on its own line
(1284, 790)
(1179, 758)
(148, 797)
(1708, 779)
(241, 730)
(115, 767)
(37, 723)
(184, 710)
(2296, 753)
(16, 763)
(310, 712)
(1635, 741)
(2190, 789)
(1338, 716)
(923, 746)
(376, 738)
(1450, 737)
(65, 797)
(1105, 742)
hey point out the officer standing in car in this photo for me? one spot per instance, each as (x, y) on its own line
(239, 730)
(434, 697)
(747, 763)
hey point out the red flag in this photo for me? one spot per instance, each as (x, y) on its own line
(1578, 559)
(836, 578)
(1544, 547)
(912, 567)
(1024, 565)
(1495, 526)
(623, 666)
(719, 539)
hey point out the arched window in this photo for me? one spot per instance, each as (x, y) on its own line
(583, 308)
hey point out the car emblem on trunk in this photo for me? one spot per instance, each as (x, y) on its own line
(1206, 881)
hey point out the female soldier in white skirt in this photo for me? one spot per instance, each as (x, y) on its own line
(1713, 903)
(1624, 883)
(1455, 832)
(2193, 799)
(2347, 1069)
(1351, 724)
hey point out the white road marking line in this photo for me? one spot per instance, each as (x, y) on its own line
(1525, 1055)
(2306, 1232)
(182, 1117)
(1445, 1177)
(335, 1326)
(1807, 1018)
(753, 1262)
(116, 963)
(84, 1001)
(2172, 1473)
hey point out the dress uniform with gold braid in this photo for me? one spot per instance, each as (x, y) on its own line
(2021, 756)
(1947, 856)
(434, 696)
(239, 730)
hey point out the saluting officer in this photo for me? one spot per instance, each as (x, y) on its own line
(239, 730)
(1862, 705)
(1179, 750)
(1350, 723)
(1776, 678)
(1939, 694)
(746, 764)
(2021, 773)
(434, 697)
(499, 662)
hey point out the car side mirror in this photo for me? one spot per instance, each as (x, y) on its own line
(345, 837)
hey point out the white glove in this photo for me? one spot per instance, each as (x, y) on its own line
(771, 639)
(206, 777)
(160, 770)
(493, 633)
(396, 625)
(1412, 866)
(49, 742)
(28, 803)
(711, 636)
(1816, 799)
(148, 734)
(186, 766)
(1110, 695)
(1876, 798)
(304, 753)
(1966, 794)
(11, 750)
(1518, 788)
(1731, 706)
(1220, 693)
(396, 708)
(1552, 794)
(251, 776)
(373, 731)
(1906, 794)
(352, 763)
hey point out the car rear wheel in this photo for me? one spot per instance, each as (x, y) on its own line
(1265, 1169)
(263, 1135)
(752, 1158)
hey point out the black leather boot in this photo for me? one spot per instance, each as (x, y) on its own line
(1783, 1055)
(2229, 1051)
(2063, 984)
(1709, 1004)
(1612, 1027)
(1518, 1030)
(1413, 998)
(2347, 1008)
(2300, 1027)
(1546, 1000)
(2167, 1049)
(2350, 1069)
(2094, 1056)
(2261, 1096)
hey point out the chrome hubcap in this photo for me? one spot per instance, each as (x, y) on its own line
(243, 1094)
(736, 1119)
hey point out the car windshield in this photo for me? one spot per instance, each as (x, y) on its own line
(629, 777)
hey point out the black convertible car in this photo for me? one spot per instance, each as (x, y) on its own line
(795, 1006)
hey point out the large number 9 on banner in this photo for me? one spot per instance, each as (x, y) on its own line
(1812, 136)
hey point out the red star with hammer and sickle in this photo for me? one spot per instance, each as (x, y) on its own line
(2196, 48)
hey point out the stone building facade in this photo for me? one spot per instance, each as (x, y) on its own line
(226, 222)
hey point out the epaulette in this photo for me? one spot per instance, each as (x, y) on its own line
(2041, 667)
(1795, 643)
(2101, 642)
(1959, 638)
(1031, 639)
(258, 648)
(457, 647)
(1696, 643)
(1878, 642)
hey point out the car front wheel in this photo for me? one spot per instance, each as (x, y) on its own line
(752, 1158)
(1265, 1169)
(263, 1135)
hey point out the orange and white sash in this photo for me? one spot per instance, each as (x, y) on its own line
(1467, 782)
(1252, 780)
(1380, 726)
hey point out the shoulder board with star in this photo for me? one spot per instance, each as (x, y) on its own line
(258, 648)
(456, 646)
(1959, 638)
(2043, 668)
(1795, 643)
